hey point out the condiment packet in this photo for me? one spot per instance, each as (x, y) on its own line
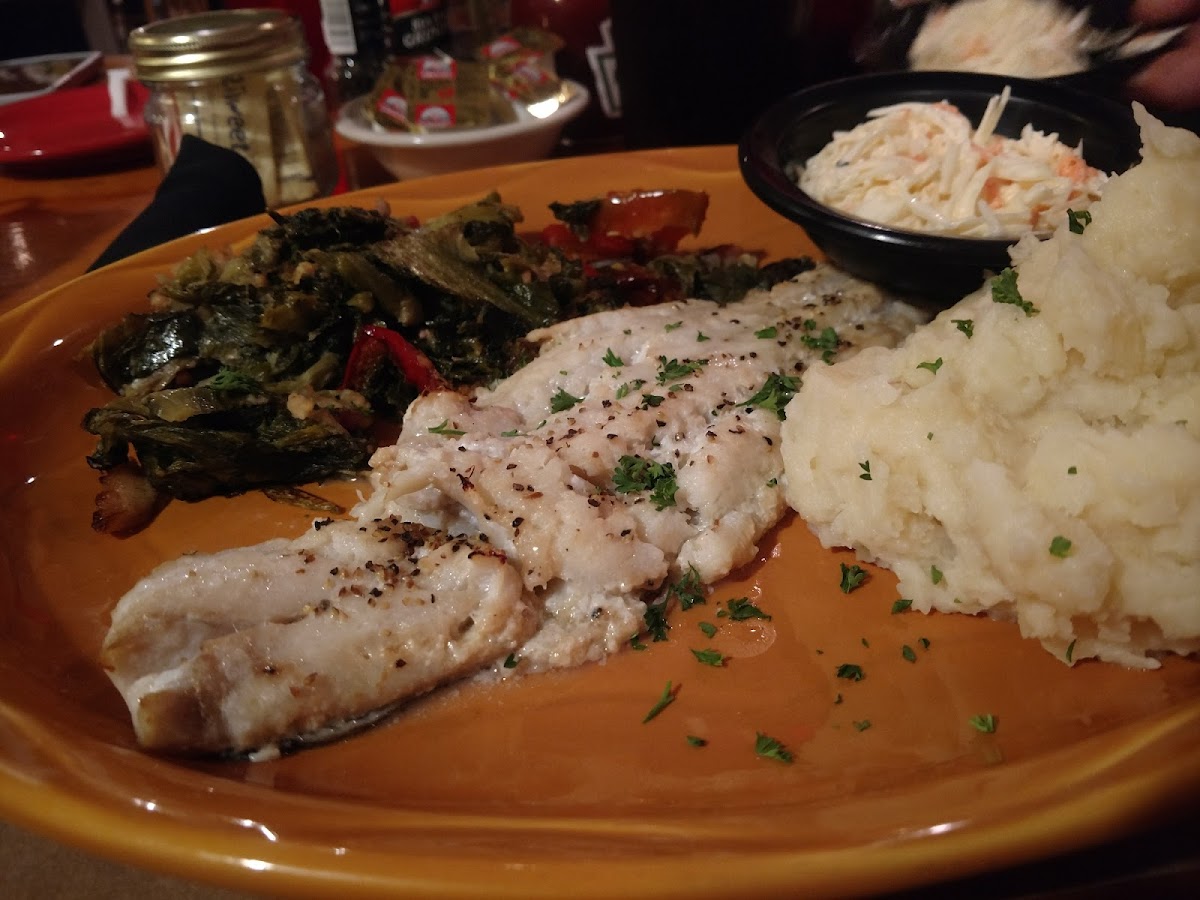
(521, 63)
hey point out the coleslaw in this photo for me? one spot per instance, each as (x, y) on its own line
(1028, 38)
(924, 167)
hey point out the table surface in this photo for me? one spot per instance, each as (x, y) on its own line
(52, 227)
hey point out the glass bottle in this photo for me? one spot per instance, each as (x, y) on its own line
(238, 79)
(355, 32)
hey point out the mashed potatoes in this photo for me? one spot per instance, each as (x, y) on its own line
(1037, 459)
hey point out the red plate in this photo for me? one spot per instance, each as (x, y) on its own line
(71, 124)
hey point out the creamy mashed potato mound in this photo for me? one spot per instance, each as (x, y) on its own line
(1044, 467)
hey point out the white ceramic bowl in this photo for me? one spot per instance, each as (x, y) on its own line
(408, 155)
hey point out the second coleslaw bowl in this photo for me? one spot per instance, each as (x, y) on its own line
(925, 266)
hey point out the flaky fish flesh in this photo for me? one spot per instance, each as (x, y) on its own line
(519, 529)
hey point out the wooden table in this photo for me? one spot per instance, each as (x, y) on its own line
(52, 228)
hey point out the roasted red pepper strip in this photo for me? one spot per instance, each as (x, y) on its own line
(636, 223)
(414, 365)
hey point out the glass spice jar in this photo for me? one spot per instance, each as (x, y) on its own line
(237, 78)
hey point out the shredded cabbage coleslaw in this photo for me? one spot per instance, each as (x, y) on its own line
(924, 167)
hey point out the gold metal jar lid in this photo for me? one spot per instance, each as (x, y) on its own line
(216, 44)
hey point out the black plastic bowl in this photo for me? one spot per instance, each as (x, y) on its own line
(935, 268)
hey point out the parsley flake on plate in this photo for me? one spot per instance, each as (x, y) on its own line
(985, 723)
(688, 589)
(740, 609)
(611, 359)
(852, 577)
(771, 748)
(709, 657)
(851, 672)
(1060, 546)
(665, 699)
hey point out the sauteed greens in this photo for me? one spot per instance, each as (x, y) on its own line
(291, 361)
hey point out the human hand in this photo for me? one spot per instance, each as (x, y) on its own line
(1172, 81)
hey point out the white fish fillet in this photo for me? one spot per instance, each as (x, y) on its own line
(527, 537)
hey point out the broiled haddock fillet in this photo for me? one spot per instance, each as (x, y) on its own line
(260, 646)
(240, 649)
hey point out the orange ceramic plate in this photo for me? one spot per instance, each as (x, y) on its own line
(553, 786)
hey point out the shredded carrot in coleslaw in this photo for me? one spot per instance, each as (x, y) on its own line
(923, 167)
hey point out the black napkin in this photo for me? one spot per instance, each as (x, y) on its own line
(206, 186)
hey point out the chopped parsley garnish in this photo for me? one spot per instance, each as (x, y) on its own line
(634, 474)
(827, 341)
(708, 628)
(852, 577)
(510, 661)
(935, 575)
(983, 722)
(657, 625)
(924, 642)
(931, 366)
(1070, 650)
(966, 326)
(1072, 470)
(766, 333)
(901, 605)
(1060, 546)
(770, 748)
(562, 401)
(673, 370)
(665, 699)
(866, 470)
(516, 432)
(851, 672)
(671, 326)
(701, 336)
(709, 657)
(611, 359)
(773, 482)
(649, 400)
(862, 724)
(233, 382)
(635, 643)
(1005, 290)
(629, 387)
(688, 590)
(695, 741)
(444, 428)
(740, 609)
(1077, 221)
(837, 699)
(775, 394)
(908, 653)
